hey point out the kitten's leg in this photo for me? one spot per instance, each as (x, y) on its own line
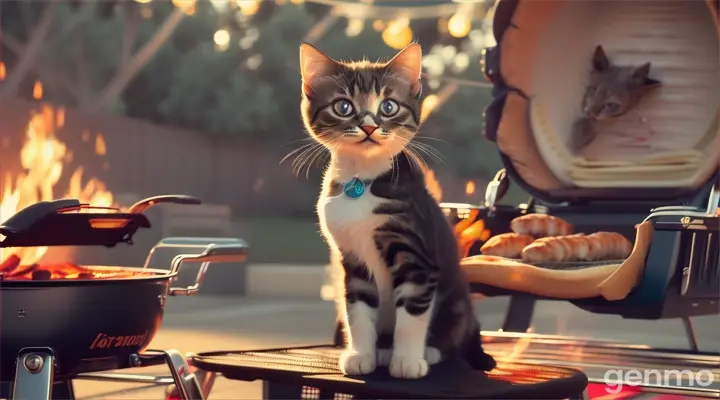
(414, 290)
(361, 301)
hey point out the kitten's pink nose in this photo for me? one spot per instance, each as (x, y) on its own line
(368, 129)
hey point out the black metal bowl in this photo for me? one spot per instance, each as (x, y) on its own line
(90, 325)
(96, 325)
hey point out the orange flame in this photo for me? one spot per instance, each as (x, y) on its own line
(433, 186)
(100, 146)
(471, 230)
(42, 157)
(60, 118)
(470, 188)
(38, 90)
(518, 349)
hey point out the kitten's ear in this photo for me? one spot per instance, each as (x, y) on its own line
(408, 63)
(600, 61)
(641, 77)
(313, 64)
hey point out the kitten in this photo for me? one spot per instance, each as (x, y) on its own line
(613, 91)
(407, 303)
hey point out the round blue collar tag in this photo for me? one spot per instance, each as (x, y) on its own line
(354, 189)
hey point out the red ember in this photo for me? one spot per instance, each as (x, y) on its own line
(11, 269)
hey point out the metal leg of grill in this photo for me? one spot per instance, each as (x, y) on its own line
(63, 390)
(518, 316)
(185, 380)
(34, 374)
(690, 333)
(206, 380)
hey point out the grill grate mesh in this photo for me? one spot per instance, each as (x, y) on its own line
(315, 372)
(305, 361)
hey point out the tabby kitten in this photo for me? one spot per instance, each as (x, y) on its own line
(407, 303)
(613, 91)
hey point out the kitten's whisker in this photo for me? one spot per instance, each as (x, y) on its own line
(313, 158)
(304, 158)
(430, 151)
(430, 154)
(297, 141)
(393, 165)
(431, 138)
(300, 159)
(418, 158)
(419, 151)
(305, 146)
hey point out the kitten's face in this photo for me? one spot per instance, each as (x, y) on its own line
(614, 90)
(361, 108)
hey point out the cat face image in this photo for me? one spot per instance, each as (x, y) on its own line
(361, 108)
(614, 90)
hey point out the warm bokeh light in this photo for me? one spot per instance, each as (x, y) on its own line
(38, 90)
(470, 188)
(3, 72)
(60, 118)
(428, 105)
(143, 1)
(432, 185)
(398, 34)
(186, 6)
(459, 25)
(355, 26)
(248, 7)
(221, 39)
(378, 25)
(100, 146)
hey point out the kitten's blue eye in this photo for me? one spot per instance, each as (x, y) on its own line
(389, 108)
(343, 108)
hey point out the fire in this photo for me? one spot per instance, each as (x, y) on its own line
(42, 157)
(470, 188)
(471, 230)
(38, 90)
(433, 186)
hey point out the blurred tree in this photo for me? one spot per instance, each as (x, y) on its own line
(253, 92)
(149, 61)
(86, 52)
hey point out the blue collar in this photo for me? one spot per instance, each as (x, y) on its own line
(354, 189)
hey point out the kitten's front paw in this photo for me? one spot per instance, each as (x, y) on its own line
(354, 363)
(408, 367)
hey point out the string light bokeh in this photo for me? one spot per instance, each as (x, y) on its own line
(467, 22)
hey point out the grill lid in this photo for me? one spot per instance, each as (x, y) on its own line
(68, 222)
(666, 148)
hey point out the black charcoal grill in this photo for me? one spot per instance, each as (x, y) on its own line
(56, 330)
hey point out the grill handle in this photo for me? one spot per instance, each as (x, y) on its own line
(214, 250)
(142, 205)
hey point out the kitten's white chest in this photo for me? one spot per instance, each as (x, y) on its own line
(351, 222)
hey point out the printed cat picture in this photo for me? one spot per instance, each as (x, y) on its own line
(406, 302)
(612, 92)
